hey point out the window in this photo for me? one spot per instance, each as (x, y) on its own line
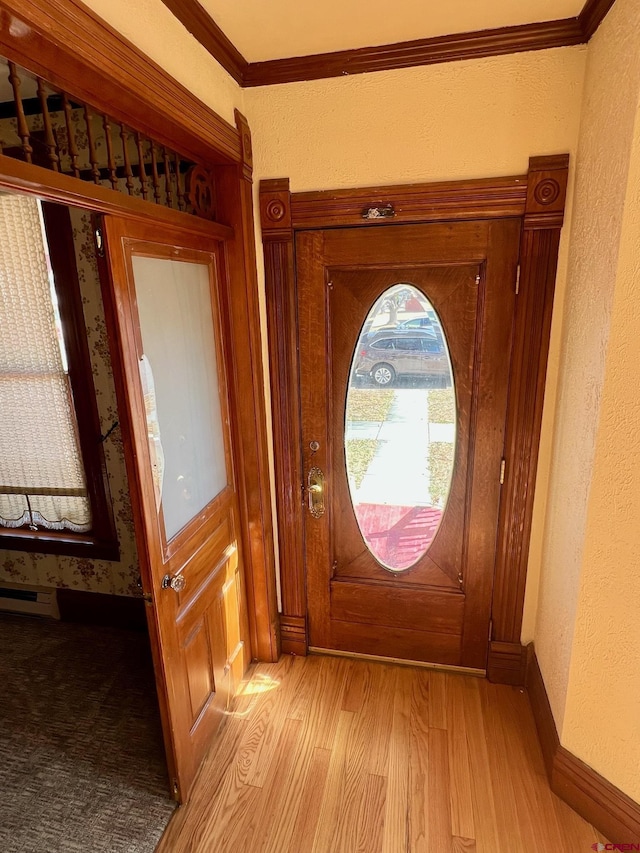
(53, 494)
(411, 344)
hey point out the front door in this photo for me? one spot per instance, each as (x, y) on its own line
(166, 294)
(405, 336)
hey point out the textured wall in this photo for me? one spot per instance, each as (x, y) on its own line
(454, 121)
(602, 716)
(96, 575)
(458, 120)
(155, 31)
(609, 106)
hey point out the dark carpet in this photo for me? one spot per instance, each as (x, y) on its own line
(82, 765)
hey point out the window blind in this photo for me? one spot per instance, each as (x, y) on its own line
(42, 481)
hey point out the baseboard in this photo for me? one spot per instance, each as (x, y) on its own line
(611, 811)
(97, 608)
(507, 663)
(546, 725)
(28, 600)
(293, 635)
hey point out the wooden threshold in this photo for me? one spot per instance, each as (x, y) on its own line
(438, 667)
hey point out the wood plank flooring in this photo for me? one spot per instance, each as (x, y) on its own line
(330, 755)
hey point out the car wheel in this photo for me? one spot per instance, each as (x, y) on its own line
(383, 374)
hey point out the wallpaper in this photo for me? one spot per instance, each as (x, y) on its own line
(79, 573)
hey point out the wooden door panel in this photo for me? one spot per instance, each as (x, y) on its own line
(198, 662)
(193, 577)
(206, 562)
(401, 643)
(427, 573)
(392, 606)
(438, 608)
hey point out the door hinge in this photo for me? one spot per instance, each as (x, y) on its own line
(490, 630)
(176, 789)
(329, 284)
(518, 279)
(99, 240)
(503, 468)
(147, 598)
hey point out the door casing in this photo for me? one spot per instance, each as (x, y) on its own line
(538, 200)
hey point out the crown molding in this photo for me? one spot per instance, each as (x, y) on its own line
(592, 15)
(408, 54)
(202, 26)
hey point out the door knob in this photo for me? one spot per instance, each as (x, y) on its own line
(315, 492)
(176, 583)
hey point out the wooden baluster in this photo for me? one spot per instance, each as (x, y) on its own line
(157, 194)
(71, 136)
(23, 127)
(93, 159)
(142, 171)
(167, 178)
(179, 193)
(111, 163)
(49, 138)
(128, 171)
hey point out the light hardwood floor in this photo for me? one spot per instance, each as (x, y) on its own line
(329, 755)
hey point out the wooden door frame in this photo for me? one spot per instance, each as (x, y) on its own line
(538, 200)
(71, 47)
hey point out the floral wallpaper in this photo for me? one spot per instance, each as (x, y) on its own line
(95, 575)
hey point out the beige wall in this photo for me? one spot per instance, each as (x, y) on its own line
(587, 628)
(151, 27)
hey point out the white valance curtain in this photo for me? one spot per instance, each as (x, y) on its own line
(42, 482)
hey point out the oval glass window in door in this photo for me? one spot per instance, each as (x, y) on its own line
(400, 427)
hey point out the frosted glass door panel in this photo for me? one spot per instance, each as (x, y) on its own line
(180, 383)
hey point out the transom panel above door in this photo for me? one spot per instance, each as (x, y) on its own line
(404, 339)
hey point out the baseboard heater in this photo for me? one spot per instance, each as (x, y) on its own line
(33, 601)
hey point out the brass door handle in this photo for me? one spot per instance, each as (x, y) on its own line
(315, 492)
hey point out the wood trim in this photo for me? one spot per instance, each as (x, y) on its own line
(592, 15)
(448, 48)
(506, 663)
(539, 201)
(294, 634)
(412, 203)
(610, 810)
(546, 196)
(62, 254)
(202, 26)
(453, 47)
(545, 724)
(18, 176)
(248, 388)
(282, 326)
(70, 46)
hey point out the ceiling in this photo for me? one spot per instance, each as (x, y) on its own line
(274, 29)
